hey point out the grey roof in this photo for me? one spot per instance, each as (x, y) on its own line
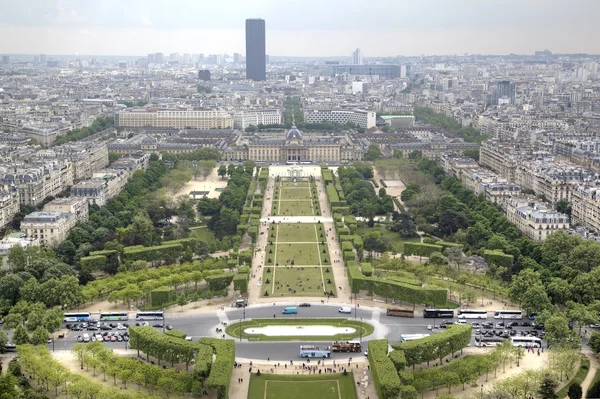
(294, 134)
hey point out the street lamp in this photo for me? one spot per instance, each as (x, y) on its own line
(361, 330)
(355, 310)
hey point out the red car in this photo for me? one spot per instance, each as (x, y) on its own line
(113, 339)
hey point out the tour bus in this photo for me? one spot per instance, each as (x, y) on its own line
(508, 314)
(438, 313)
(412, 337)
(532, 342)
(400, 312)
(114, 316)
(156, 315)
(83, 316)
(315, 351)
(488, 341)
(346, 346)
(472, 314)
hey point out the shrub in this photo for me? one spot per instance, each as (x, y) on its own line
(385, 376)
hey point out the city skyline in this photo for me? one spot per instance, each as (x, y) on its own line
(454, 27)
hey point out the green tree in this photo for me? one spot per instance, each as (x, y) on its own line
(40, 336)
(563, 206)
(581, 314)
(557, 330)
(575, 391)
(594, 342)
(593, 391)
(20, 336)
(373, 153)
(3, 341)
(12, 320)
(522, 282)
(548, 388)
(535, 299)
(8, 386)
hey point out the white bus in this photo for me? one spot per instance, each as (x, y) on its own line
(71, 317)
(412, 337)
(508, 314)
(472, 314)
(315, 351)
(114, 316)
(156, 315)
(532, 342)
(485, 342)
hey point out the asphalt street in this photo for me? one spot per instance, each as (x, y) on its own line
(204, 324)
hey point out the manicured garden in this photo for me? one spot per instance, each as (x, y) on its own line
(295, 199)
(396, 242)
(233, 329)
(295, 232)
(328, 386)
(299, 281)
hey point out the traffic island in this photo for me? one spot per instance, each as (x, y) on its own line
(299, 329)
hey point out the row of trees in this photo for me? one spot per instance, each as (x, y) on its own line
(360, 194)
(101, 123)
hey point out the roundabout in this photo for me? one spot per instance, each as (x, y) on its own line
(299, 329)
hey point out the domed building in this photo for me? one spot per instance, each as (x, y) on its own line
(295, 146)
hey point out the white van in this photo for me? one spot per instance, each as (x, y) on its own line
(345, 310)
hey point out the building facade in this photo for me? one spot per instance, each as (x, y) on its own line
(244, 118)
(48, 228)
(362, 118)
(534, 218)
(174, 118)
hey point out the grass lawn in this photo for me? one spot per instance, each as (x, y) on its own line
(233, 329)
(299, 193)
(582, 372)
(298, 281)
(397, 242)
(294, 208)
(284, 254)
(202, 233)
(298, 232)
(328, 386)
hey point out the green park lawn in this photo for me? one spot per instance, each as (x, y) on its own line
(397, 242)
(295, 232)
(234, 329)
(328, 386)
(299, 193)
(285, 254)
(298, 281)
(294, 207)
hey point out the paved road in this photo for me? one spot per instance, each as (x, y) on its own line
(204, 324)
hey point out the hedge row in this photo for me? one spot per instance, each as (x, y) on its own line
(176, 334)
(240, 282)
(383, 183)
(420, 249)
(437, 346)
(385, 375)
(222, 368)
(219, 281)
(498, 258)
(149, 254)
(95, 262)
(367, 269)
(399, 359)
(398, 204)
(393, 289)
(162, 346)
(162, 296)
(375, 183)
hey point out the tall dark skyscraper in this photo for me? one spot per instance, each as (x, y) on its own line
(256, 68)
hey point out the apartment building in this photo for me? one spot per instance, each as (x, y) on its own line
(554, 181)
(174, 118)
(362, 118)
(38, 182)
(75, 205)
(535, 218)
(104, 185)
(84, 157)
(585, 206)
(244, 118)
(48, 228)
(9, 205)
(455, 164)
(493, 187)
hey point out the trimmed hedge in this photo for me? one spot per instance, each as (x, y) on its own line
(162, 295)
(204, 360)
(149, 254)
(327, 176)
(498, 258)
(420, 249)
(385, 376)
(222, 368)
(367, 269)
(96, 262)
(399, 359)
(240, 283)
(162, 346)
(176, 334)
(382, 183)
(218, 282)
(393, 289)
(347, 246)
(437, 346)
(375, 183)
(398, 204)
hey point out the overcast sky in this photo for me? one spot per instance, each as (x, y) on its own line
(300, 27)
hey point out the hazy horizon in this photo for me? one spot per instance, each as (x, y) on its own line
(309, 28)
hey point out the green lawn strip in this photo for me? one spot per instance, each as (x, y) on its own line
(325, 386)
(297, 254)
(296, 193)
(305, 280)
(582, 372)
(295, 208)
(295, 232)
(233, 329)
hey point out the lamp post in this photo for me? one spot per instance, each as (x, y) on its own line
(518, 356)
(481, 391)
(361, 330)
(354, 310)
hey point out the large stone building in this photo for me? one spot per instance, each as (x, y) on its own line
(535, 218)
(49, 228)
(177, 118)
(362, 118)
(296, 147)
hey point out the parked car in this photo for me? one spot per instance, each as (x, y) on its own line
(121, 327)
(538, 327)
(526, 324)
(113, 338)
(475, 324)
(304, 305)
(157, 325)
(76, 327)
(487, 325)
(169, 327)
(430, 327)
(79, 339)
(512, 324)
(119, 338)
(106, 338)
